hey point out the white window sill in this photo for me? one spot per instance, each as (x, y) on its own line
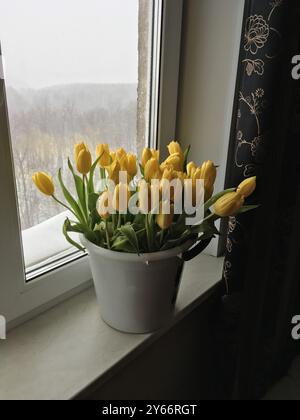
(45, 241)
(61, 352)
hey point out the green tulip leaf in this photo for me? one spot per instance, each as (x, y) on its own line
(122, 244)
(142, 170)
(186, 157)
(131, 236)
(245, 209)
(92, 201)
(68, 228)
(79, 187)
(73, 203)
(90, 184)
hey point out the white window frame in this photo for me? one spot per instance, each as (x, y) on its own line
(20, 300)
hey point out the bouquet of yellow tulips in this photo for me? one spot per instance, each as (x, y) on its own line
(121, 202)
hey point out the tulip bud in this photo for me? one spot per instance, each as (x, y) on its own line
(175, 161)
(174, 147)
(44, 183)
(120, 153)
(146, 156)
(229, 204)
(155, 154)
(164, 221)
(152, 170)
(209, 174)
(168, 174)
(180, 175)
(247, 187)
(78, 148)
(84, 162)
(113, 171)
(191, 169)
(102, 151)
(121, 198)
(103, 205)
(197, 174)
(208, 193)
(113, 156)
(131, 163)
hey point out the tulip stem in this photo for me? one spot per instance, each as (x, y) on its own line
(211, 216)
(85, 209)
(102, 173)
(119, 220)
(64, 205)
(114, 220)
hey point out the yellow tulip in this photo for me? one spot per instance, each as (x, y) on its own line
(175, 161)
(164, 221)
(168, 174)
(103, 205)
(247, 187)
(197, 174)
(84, 162)
(79, 147)
(152, 170)
(180, 175)
(132, 168)
(229, 204)
(208, 193)
(155, 154)
(128, 163)
(191, 169)
(113, 171)
(121, 198)
(44, 183)
(209, 174)
(146, 156)
(149, 154)
(120, 153)
(113, 156)
(174, 147)
(102, 151)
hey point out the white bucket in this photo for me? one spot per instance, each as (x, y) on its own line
(136, 294)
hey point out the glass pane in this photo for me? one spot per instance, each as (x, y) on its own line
(75, 70)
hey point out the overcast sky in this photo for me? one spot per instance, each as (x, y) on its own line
(50, 42)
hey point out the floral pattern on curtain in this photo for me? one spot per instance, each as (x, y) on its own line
(252, 330)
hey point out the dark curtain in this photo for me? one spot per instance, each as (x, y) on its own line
(253, 330)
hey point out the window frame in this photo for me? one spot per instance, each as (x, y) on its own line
(21, 300)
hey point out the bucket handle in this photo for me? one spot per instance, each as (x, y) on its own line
(196, 250)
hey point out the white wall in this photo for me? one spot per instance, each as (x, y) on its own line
(211, 40)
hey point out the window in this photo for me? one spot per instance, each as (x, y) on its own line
(64, 85)
(74, 69)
